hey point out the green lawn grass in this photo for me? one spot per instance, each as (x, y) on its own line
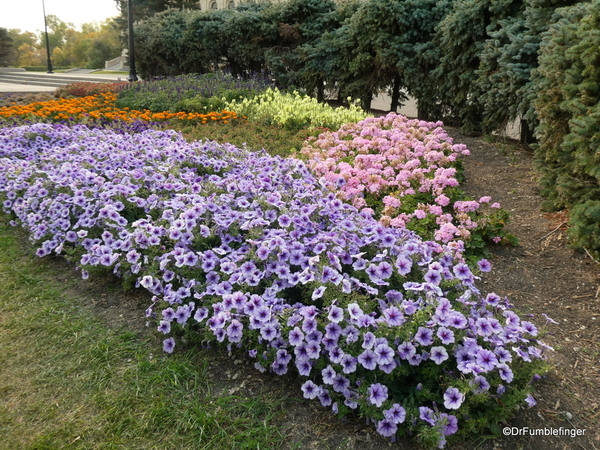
(70, 381)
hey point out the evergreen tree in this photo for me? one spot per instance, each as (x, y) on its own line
(461, 37)
(507, 60)
(568, 106)
(7, 52)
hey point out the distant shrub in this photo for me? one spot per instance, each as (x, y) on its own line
(169, 94)
(84, 89)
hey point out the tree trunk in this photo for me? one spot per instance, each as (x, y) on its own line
(321, 91)
(396, 94)
(527, 136)
(366, 100)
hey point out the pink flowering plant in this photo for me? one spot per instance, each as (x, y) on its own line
(248, 251)
(407, 171)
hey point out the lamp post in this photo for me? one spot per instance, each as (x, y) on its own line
(132, 75)
(47, 41)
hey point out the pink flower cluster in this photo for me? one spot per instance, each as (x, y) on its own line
(404, 169)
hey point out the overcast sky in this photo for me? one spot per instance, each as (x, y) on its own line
(28, 15)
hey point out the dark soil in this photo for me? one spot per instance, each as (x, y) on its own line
(540, 275)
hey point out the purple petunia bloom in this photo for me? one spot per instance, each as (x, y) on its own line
(328, 375)
(348, 363)
(433, 277)
(336, 314)
(311, 390)
(387, 428)
(378, 393)
(169, 345)
(164, 327)
(396, 413)
(424, 336)
(324, 397)
(296, 336)
(304, 367)
(530, 400)
(449, 423)
(404, 265)
(340, 383)
(446, 335)
(481, 384)
(453, 398)
(406, 350)
(484, 265)
(393, 316)
(427, 415)
(438, 354)
(462, 272)
(318, 293)
(385, 353)
(486, 359)
(505, 372)
(368, 359)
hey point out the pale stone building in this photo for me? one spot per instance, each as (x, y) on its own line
(227, 4)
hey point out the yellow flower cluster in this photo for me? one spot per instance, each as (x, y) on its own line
(102, 106)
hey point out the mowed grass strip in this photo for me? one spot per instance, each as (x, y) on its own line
(69, 381)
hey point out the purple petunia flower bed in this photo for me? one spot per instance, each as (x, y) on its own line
(251, 251)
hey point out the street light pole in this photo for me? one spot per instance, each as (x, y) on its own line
(47, 41)
(132, 74)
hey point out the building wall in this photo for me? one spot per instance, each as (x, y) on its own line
(224, 4)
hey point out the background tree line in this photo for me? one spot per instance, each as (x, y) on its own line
(88, 48)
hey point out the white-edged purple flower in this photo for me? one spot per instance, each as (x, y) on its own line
(396, 413)
(393, 316)
(164, 327)
(530, 401)
(484, 265)
(406, 350)
(505, 372)
(446, 335)
(318, 293)
(453, 398)
(424, 336)
(486, 359)
(378, 393)
(427, 415)
(295, 336)
(481, 384)
(336, 314)
(368, 359)
(328, 374)
(387, 428)
(438, 354)
(169, 345)
(311, 390)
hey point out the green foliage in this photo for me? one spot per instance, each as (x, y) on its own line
(160, 48)
(275, 140)
(192, 93)
(507, 60)
(567, 104)
(217, 102)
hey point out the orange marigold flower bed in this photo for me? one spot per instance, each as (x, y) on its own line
(102, 106)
